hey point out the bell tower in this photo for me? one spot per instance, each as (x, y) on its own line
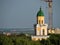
(40, 17)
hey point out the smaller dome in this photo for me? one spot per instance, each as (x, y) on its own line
(40, 13)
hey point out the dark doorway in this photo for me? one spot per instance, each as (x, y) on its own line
(43, 32)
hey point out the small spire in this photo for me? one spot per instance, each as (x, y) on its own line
(40, 7)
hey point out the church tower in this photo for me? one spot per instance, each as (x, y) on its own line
(40, 27)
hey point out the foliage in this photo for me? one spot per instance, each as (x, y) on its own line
(25, 40)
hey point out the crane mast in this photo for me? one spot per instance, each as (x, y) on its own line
(50, 14)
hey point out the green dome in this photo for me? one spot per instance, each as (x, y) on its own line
(40, 13)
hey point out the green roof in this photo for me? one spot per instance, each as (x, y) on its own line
(40, 13)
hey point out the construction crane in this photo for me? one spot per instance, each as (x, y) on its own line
(50, 20)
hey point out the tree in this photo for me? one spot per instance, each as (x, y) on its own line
(4, 40)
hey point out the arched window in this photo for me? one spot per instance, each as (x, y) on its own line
(42, 21)
(39, 21)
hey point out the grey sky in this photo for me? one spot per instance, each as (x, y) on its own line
(22, 13)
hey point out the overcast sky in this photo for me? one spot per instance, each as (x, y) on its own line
(22, 13)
